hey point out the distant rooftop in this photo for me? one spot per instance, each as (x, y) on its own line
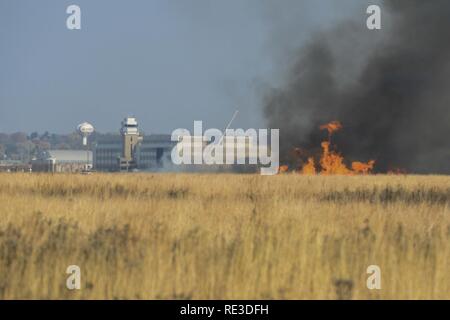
(68, 155)
(147, 138)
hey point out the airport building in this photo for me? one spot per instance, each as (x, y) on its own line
(62, 161)
(132, 151)
(236, 153)
(14, 166)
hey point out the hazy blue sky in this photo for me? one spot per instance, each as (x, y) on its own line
(167, 62)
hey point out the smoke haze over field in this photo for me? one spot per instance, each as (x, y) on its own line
(389, 88)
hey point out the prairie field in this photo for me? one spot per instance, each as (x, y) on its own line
(224, 236)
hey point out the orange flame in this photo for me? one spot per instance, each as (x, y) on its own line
(363, 168)
(283, 169)
(331, 162)
(331, 127)
(309, 168)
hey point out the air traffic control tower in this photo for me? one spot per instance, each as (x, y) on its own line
(131, 139)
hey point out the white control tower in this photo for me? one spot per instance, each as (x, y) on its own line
(131, 139)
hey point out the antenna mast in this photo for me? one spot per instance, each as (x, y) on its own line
(228, 126)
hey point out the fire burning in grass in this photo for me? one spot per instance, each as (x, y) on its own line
(332, 162)
(309, 167)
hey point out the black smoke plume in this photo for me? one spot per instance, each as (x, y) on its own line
(389, 88)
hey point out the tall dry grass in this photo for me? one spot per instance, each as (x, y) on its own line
(158, 236)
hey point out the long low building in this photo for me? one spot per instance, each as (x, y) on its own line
(14, 166)
(62, 161)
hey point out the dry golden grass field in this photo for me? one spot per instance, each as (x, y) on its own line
(224, 236)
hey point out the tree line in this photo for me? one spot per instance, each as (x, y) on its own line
(24, 147)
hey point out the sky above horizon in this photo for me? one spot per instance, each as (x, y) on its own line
(166, 62)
